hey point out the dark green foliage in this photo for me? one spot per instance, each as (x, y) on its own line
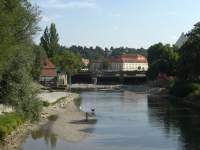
(162, 58)
(68, 62)
(45, 104)
(184, 88)
(189, 64)
(18, 22)
(8, 123)
(19, 57)
(99, 53)
(161, 65)
(17, 88)
(49, 41)
(39, 56)
(126, 50)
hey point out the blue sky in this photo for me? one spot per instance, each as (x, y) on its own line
(132, 23)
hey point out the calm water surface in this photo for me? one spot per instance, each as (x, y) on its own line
(128, 121)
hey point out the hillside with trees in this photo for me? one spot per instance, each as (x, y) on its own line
(93, 53)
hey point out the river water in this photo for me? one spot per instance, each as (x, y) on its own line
(128, 120)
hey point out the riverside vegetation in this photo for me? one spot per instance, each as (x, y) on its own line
(181, 64)
(21, 61)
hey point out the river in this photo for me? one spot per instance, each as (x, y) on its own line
(128, 120)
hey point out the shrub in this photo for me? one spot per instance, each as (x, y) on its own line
(184, 88)
(17, 88)
(8, 123)
(45, 104)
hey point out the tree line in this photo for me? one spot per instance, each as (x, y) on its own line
(20, 59)
(182, 64)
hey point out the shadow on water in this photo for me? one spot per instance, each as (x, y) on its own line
(176, 119)
(90, 121)
(45, 132)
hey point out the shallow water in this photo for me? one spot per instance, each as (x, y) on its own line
(127, 121)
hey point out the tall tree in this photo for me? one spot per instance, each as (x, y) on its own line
(68, 62)
(161, 58)
(188, 68)
(49, 40)
(18, 24)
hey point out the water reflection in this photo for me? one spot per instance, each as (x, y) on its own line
(176, 120)
(126, 121)
(45, 132)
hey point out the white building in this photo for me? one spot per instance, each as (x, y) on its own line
(182, 39)
(129, 62)
(96, 66)
(86, 63)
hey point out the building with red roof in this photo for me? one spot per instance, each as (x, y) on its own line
(129, 62)
(48, 74)
(126, 62)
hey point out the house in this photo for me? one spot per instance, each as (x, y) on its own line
(126, 62)
(97, 65)
(48, 74)
(62, 80)
(129, 62)
(86, 63)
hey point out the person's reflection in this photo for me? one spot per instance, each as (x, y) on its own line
(46, 133)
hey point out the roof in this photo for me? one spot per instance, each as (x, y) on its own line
(49, 69)
(49, 65)
(129, 58)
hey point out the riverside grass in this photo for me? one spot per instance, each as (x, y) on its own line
(8, 123)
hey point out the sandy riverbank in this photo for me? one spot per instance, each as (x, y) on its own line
(68, 125)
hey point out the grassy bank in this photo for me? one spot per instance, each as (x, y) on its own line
(8, 123)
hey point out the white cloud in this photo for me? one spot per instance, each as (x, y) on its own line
(68, 4)
(49, 19)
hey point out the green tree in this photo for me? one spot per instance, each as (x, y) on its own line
(162, 58)
(17, 87)
(39, 57)
(188, 66)
(68, 62)
(18, 24)
(49, 41)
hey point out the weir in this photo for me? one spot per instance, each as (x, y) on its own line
(106, 77)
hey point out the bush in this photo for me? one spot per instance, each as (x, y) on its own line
(8, 123)
(45, 104)
(184, 88)
(30, 108)
(17, 88)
